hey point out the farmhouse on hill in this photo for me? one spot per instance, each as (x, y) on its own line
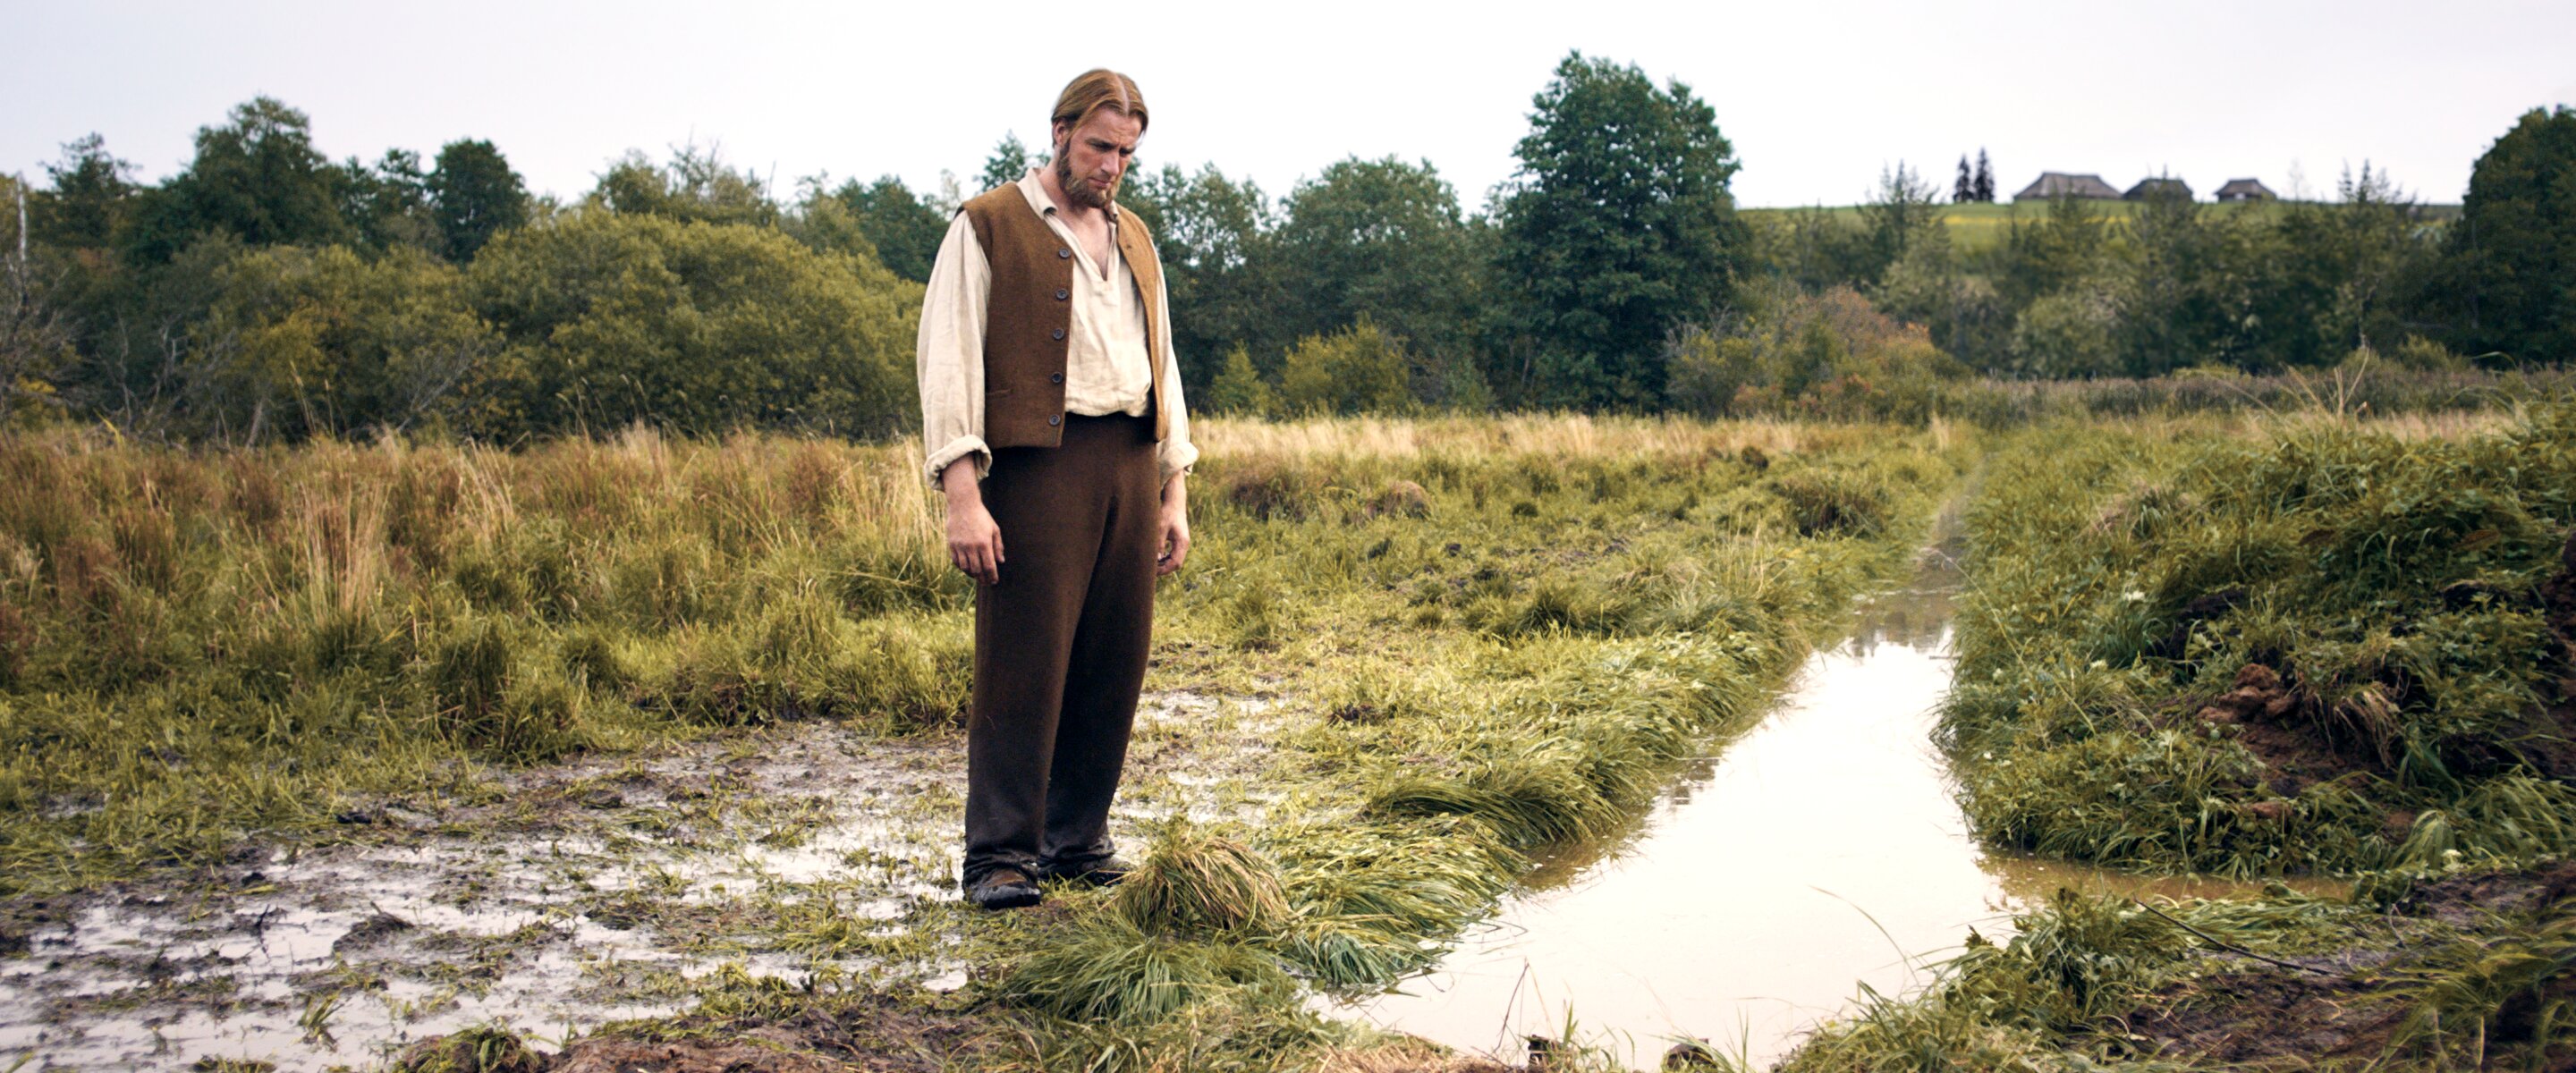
(2245, 190)
(2158, 187)
(2056, 184)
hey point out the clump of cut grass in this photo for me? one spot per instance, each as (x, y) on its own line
(481, 1049)
(1193, 882)
(1115, 972)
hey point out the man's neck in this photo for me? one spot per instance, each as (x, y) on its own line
(1065, 206)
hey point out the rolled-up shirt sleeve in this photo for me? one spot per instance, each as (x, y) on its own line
(1176, 453)
(949, 354)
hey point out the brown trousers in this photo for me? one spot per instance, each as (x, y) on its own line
(1060, 643)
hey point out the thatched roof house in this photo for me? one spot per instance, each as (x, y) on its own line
(2245, 190)
(2158, 187)
(2057, 184)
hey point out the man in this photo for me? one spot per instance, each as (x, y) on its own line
(1051, 410)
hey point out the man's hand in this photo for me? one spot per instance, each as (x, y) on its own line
(974, 541)
(1176, 525)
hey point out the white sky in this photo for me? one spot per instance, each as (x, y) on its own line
(1816, 97)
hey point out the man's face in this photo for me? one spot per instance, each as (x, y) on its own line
(1091, 158)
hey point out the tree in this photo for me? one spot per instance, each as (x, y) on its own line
(1617, 227)
(1219, 266)
(2509, 266)
(696, 185)
(257, 177)
(474, 195)
(2193, 286)
(1964, 190)
(905, 229)
(1902, 214)
(34, 343)
(1382, 240)
(1985, 179)
(388, 205)
(87, 206)
(1009, 161)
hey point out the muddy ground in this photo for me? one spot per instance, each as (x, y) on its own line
(557, 899)
(2362, 1002)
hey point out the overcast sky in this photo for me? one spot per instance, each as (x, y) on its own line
(1817, 97)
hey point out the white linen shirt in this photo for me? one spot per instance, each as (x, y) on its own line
(1105, 370)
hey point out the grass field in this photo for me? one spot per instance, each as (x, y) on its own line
(1428, 649)
(707, 692)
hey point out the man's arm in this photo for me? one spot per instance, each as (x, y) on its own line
(1176, 524)
(949, 353)
(950, 356)
(974, 541)
(1176, 453)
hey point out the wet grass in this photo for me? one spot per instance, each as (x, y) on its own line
(2308, 644)
(1451, 644)
(2319, 646)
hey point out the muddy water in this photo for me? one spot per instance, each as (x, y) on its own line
(1820, 852)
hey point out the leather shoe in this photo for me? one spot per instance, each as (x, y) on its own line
(1003, 888)
(1097, 872)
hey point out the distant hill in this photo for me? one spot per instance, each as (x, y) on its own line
(1981, 226)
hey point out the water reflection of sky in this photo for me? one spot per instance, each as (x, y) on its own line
(1819, 852)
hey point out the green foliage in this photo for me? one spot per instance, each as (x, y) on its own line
(1382, 241)
(2505, 284)
(1009, 161)
(613, 318)
(387, 205)
(1357, 369)
(302, 342)
(696, 186)
(257, 178)
(474, 195)
(1617, 228)
(1791, 352)
(904, 229)
(1239, 388)
(1215, 238)
(87, 206)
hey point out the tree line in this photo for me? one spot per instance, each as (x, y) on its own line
(265, 292)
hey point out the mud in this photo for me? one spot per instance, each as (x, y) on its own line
(555, 900)
(2353, 1003)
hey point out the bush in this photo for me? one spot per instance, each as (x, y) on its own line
(1809, 355)
(612, 318)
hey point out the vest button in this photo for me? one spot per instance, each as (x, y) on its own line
(1062, 254)
(1056, 420)
(1061, 294)
(1055, 378)
(1059, 333)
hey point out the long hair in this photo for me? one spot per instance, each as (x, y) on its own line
(1094, 90)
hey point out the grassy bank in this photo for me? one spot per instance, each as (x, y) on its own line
(1469, 641)
(2308, 645)
(2320, 646)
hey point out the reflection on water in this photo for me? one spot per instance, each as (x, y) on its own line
(1819, 852)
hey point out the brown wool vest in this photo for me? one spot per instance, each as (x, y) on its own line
(1030, 312)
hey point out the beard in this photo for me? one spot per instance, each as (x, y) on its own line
(1080, 191)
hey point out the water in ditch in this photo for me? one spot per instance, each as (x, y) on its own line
(1817, 853)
